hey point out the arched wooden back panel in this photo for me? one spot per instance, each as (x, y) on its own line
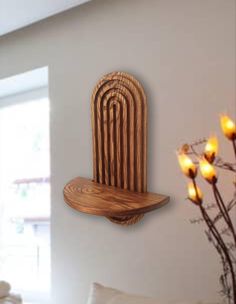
(119, 122)
(119, 187)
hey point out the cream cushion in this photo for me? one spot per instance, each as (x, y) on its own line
(132, 299)
(101, 295)
(106, 295)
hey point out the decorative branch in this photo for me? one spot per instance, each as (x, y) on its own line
(222, 237)
(234, 146)
(223, 210)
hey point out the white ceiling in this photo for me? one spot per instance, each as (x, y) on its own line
(15, 14)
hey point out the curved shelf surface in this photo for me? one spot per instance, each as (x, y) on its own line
(90, 197)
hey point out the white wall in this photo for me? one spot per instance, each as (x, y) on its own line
(183, 52)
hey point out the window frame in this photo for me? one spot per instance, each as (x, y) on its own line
(31, 95)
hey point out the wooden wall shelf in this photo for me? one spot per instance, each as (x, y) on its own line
(119, 123)
(90, 197)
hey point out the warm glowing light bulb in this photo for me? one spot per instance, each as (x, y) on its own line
(187, 166)
(228, 127)
(211, 149)
(207, 171)
(194, 193)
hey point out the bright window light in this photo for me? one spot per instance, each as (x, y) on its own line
(25, 199)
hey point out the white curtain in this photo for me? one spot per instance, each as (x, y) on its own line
(3, 226)
(4, 184)
(1, 210)
(1, 237)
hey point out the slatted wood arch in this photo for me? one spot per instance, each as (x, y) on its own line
(119, 123)
(119, 186)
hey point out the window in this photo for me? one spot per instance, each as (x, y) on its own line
(25, 199)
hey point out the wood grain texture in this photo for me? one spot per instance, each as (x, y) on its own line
(119, 122)
(90, 197)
